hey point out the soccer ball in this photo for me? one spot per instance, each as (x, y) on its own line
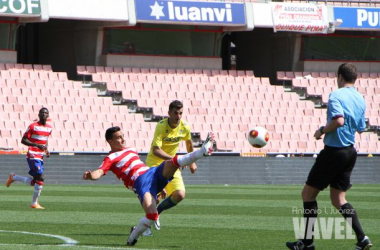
(258, 137)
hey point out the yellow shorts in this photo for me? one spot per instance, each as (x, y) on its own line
(175, 184)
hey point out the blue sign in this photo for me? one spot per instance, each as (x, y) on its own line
(358, 18)
(211, 13)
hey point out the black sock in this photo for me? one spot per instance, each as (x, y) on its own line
(349, 212)
(310, 213)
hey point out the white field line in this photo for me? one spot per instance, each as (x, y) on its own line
(76, 246)
(68, 242)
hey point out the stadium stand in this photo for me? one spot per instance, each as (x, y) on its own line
(233, 97)
(316, 86)
(227, 102)
(78, 116)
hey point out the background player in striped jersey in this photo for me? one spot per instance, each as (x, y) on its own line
(168, 134)
(36, 138)
(146, 182)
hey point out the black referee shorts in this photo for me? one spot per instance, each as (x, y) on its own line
(333, 167)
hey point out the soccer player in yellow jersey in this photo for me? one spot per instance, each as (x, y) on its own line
(167, 136)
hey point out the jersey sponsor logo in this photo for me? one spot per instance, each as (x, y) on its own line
(171, 139)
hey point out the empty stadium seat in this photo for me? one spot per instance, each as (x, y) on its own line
(236, 101)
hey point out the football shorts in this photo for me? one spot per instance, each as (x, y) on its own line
(176, 184)
(36, 167)
(151, 181)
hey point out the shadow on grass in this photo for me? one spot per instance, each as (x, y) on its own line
(117, 235)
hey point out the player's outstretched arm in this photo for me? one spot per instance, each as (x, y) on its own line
(26, 142)
(94, 175)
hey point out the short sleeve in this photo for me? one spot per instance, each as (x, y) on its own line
(28, 132)
(335, 108)
(362, 125)
(188, 133)
(157, 138)
(106, 165)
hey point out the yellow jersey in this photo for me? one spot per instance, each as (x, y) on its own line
(168, 139)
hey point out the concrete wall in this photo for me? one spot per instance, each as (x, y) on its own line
(64, 44)
(8, 56)
(63, 169)
(333, 66)
(162, 62)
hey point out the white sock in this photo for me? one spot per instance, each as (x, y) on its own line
(187, 159)
(143, 225)
(36, 193)
(26, 180)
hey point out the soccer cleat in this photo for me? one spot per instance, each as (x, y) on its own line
(37, 206)
(208, 144)
(157, 225)
(365, 244)
(148, 232)
(10, 180)
(131, 241)
(298, 245)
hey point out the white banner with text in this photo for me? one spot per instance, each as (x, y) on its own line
(299, 17)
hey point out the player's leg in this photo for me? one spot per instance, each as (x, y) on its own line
(178, 161)
(10, 180)
(338, 200)
(149, 206)
(38, 181)
(175, 193)
(319, 178)
(176, 188)
(310, 212)
(37, 171)
(24, 179)
(147, 187)
(27, 180)
(338, 190)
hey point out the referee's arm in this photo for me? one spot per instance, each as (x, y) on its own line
(333, 125)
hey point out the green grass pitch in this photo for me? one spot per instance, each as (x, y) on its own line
(211, 217)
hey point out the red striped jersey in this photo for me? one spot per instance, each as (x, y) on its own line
(37, 133)
(126, 165)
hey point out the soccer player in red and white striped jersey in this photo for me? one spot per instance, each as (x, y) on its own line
(146, 182)
(36, 138)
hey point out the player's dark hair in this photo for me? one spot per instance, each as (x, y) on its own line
(348, 72)
(43, 109)
(175, 105)
(111, 131)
